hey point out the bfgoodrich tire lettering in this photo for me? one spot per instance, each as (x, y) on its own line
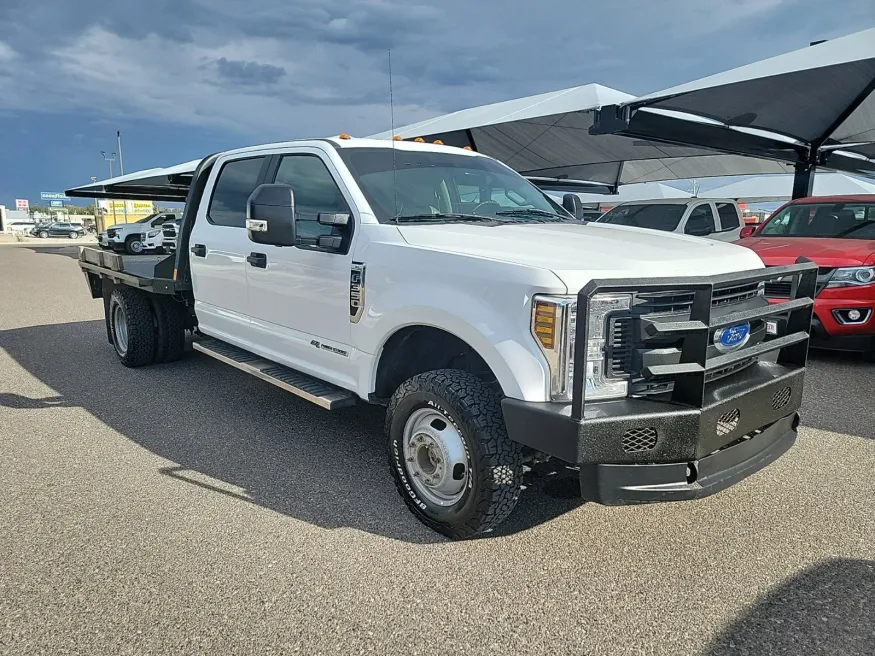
(494, 461)
(134, 341)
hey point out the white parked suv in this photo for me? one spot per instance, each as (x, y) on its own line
(496, 328)
(718, 219)
(135, 238)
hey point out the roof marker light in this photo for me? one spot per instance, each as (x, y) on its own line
(467, 148)
(419, 140)
(344, 135)
(397, 137)
(438, 142)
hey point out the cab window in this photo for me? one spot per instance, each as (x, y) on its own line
(315, 192)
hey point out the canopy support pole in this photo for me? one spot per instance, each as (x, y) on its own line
(803, 179)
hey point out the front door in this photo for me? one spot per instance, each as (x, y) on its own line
(299, 297)
(218, 246)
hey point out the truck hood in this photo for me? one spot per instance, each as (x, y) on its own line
(578, 253)
(776, 251)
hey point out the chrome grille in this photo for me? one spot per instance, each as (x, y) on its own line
(778, 289)
(677, 302)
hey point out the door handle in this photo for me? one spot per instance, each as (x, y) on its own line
(257, 260)
(199, 250)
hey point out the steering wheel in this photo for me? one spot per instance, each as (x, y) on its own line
(477, 208)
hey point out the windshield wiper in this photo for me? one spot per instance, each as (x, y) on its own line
(532, 212)
(443, 218)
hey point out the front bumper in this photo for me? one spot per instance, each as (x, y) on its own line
(747, 421)
(706, 433)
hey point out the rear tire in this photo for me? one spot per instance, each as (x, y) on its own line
(170, 338)
(74, 235)
(427, 415)
(133, 327)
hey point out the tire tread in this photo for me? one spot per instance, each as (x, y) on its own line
(479, 407)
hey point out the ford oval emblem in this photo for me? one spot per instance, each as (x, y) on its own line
(732, 337)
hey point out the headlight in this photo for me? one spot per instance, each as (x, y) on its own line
(554, 320)
(849, 276)
(153, 233)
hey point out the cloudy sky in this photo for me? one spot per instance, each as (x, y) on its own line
(183, 78)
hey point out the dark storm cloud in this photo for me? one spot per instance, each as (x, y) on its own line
(304, 55)
(249, 72)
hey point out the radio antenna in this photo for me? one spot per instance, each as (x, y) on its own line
(392, 120)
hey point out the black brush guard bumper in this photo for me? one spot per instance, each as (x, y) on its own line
(706, 436)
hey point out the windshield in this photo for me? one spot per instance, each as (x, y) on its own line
(829, 220)
(444, 186)
(656, 217)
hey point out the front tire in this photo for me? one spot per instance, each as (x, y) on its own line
(133, 246)
(450, 455)
(43, 234)
(133, 327)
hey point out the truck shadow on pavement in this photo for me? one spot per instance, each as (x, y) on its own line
(235, 435)
(71, 251)
(826, 610)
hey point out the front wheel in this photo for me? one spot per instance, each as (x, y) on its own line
(450, 455)
(43, 234)
(134, 246)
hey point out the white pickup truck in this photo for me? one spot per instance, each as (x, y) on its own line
(495, 328)
(138, 237)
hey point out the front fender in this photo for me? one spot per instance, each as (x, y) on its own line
(495, 324)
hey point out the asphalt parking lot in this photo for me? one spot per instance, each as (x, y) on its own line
(189, 508)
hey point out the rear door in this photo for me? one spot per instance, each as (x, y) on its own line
(219, 246)
(59, 229)
(730, 221)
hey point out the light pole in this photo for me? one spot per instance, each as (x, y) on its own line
(110, 160)
(98, 224)
(121, 161)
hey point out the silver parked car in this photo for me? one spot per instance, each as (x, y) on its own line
(718, 219)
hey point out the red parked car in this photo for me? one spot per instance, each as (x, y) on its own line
(838, 234)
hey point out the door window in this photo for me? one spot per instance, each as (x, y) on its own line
(315, 192)
(700, 221)
(237, 180)
(728, 216)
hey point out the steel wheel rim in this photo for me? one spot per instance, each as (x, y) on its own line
(435, 457)
(120, 321)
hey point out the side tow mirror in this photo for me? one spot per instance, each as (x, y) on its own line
(747, 231)
(270, 215)
(574, 205)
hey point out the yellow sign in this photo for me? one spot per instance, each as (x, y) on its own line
(134, 210)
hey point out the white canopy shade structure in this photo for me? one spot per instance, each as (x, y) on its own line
(770, 188)
(812, 107)
(167, 184)
(546, 138)
(643, 191)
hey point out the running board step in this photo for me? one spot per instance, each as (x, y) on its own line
(312, 389)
